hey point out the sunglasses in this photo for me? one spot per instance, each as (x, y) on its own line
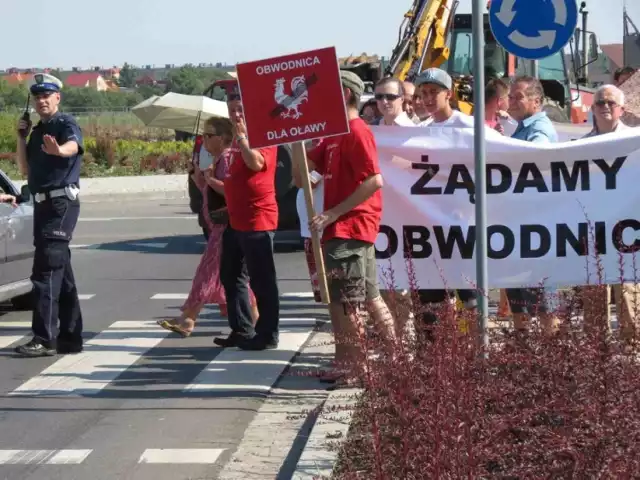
(610, 103)
(390, 97)
(211, 135)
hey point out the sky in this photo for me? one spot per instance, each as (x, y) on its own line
(36, 35)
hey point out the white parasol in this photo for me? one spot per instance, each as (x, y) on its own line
(176, 111)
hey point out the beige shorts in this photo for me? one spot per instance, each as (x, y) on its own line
(352, 275)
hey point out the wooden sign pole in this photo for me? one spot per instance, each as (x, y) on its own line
(300, 158)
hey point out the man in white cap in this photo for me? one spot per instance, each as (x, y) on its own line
(51, 158)
(435, 87)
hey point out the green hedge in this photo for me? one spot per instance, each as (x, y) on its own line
(107, 154)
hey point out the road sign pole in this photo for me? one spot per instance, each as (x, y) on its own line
(482, 277)
(534, 69)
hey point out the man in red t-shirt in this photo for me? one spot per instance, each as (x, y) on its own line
(349, 223)
(247, 243)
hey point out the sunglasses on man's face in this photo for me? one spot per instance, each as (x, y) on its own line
(390, 97)
(211, 135)
(610, 103)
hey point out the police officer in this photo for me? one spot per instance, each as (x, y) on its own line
(50, 159)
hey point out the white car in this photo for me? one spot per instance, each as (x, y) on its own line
(16, 245)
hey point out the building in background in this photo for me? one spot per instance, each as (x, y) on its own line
(93, 80)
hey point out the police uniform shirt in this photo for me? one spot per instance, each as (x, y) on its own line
(49, 172)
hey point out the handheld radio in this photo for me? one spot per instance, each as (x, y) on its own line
(27, 118)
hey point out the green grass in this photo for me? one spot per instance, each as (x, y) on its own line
(11, 169)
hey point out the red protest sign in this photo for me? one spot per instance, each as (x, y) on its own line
(292, 98)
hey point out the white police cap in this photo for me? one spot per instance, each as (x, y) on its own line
(43, 82)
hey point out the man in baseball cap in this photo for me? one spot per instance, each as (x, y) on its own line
(353, 82)
(435, 86)
(435, 76)
(349, 221)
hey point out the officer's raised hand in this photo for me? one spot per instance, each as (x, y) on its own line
(50, 145)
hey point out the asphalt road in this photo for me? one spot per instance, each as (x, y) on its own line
(141, 403)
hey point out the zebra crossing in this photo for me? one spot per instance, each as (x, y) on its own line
(165, 456)
(157, 376)
(125, 343)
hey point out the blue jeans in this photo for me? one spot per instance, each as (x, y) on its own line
(248, 257)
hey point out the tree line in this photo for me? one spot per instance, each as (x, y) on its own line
(187, 79)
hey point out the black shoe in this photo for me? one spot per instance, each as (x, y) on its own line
(65, 348)
(227, 342)
(35, 349)
(257, 343)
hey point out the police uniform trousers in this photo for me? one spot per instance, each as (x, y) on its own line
(54, 286)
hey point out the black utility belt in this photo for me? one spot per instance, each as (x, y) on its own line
(70, 191)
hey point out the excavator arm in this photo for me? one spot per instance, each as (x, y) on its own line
(422, 39)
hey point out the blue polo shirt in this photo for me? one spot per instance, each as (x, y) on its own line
(49, 172)
(536, 128)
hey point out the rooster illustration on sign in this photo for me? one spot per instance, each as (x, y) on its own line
(291, 103)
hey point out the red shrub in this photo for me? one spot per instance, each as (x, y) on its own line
(150, 163)
(173, 162)
(531, 406)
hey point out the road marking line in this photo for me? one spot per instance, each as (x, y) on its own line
(241, 370)
(6, 341)
(289, 321)
(154, 245)
(86, 296)
(170, 296)
(12, 330)
(14, 325)
(50, 457)
(181, 455)
(183, 296)
(85, 246)
(105, 357)
(291, 295)
(112, 219)
(69, 457)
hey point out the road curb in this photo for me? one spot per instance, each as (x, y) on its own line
(319, 457)
(132, 196)
(125, 188)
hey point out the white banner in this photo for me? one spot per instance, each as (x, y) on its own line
(545, 205)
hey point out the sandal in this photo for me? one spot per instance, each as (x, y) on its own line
(167, 325)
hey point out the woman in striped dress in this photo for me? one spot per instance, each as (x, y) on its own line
(206, 287)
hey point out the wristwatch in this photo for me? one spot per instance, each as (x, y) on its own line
(241, 137)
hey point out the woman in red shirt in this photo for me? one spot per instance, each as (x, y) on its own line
(206, 287)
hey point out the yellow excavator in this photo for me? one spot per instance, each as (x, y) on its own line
(423, 38)
(432, 34)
